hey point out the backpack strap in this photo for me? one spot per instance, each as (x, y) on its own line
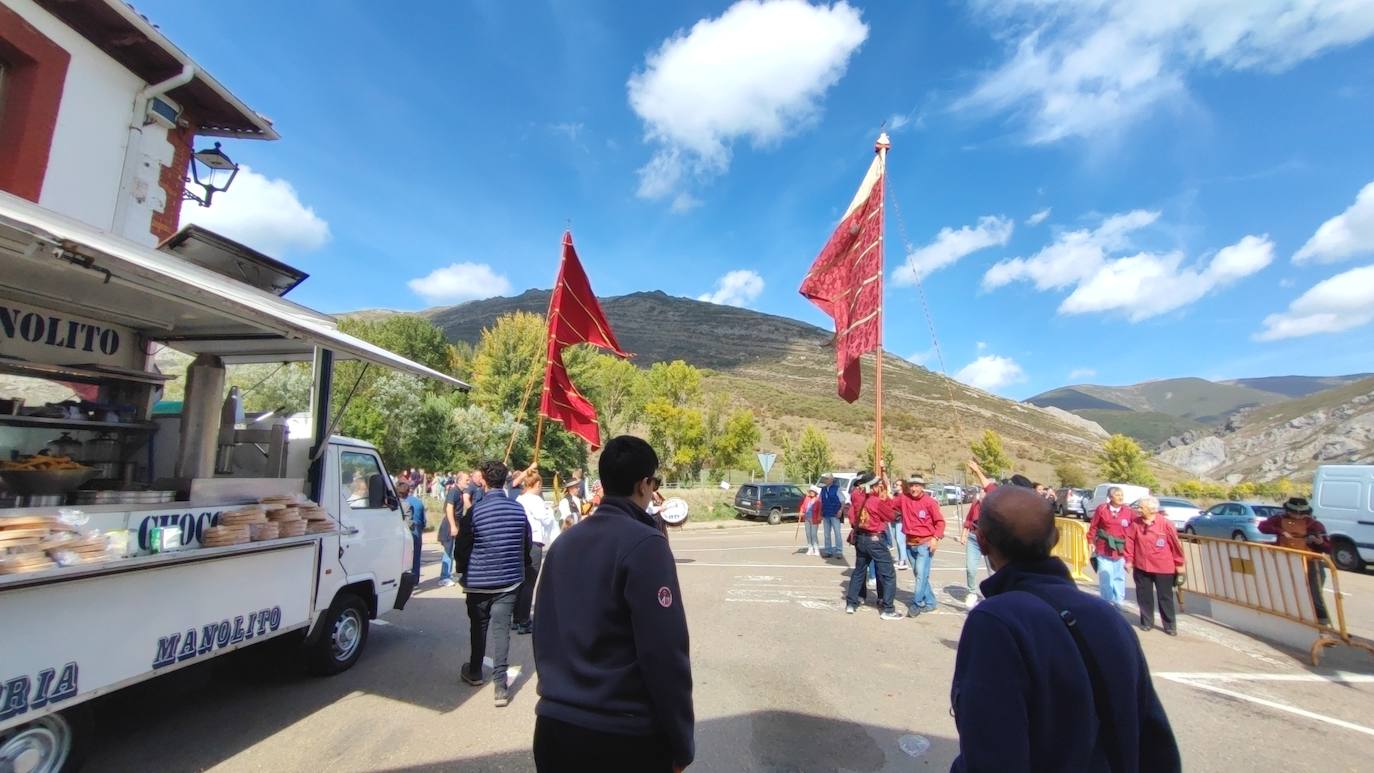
(1106, 731)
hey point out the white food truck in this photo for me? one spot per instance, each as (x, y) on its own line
(86, 312)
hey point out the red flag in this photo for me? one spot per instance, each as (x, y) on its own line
(575, 317)
(846, 281)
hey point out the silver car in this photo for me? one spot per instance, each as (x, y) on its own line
(1234, 520)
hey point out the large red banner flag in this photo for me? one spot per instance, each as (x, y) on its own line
(575, 317)
(846, 281)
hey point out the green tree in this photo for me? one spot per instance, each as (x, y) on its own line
(806, 459)
(1071, 475)
(732, 447)
(888, 457)
(280, 386)
(1243, 490)
(615, 387)
(1122, 460)
(679, 437)
(989, 454)
(478, 434)
(675, 383)
(410, 336)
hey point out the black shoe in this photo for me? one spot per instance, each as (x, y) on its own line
(1146, 628)
(1171, 631)
(525, 629)
(466, 676)
(502, 696)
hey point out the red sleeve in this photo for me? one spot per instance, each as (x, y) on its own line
(1271, 525)
(882, 509)
(1132, 537)
(1174, 544)
(1094, 523)
(971, 520)
(1319, 528)
(939, 522)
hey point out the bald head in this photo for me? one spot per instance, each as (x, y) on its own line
(1016, 524)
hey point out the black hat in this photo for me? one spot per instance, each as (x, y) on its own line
(1298, 505)
(1022, 481)
(863, 479)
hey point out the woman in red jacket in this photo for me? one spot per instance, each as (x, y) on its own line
(1156, 558)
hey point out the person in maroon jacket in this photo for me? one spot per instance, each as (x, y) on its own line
(871, 509)
(968, 535)
(1156, 559)
(1297, 529)
(924, 527)
(1107, 542)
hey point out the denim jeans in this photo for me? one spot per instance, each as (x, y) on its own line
(920, 565)
(973, 558)
(832, 526)
(1111, 579)
(418, 541)
(490, 611)
(871, 550)
(812, 530)
(446, 560)
(897, 537)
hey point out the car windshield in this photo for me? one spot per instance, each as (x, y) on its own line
(1176, 503)
(1266, 512)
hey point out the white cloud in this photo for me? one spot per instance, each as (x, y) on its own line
(1038, 217)
(572, 129)
(897, 122)
(1078, 373)
(756, 72)
(921, 358)
(991, 372)
(1091, 68)
(951, 245)
(981, 345)
(685, 202)
(1347, 235)
(459, 282)
(1343, 302)
(735, 288)
(263, 213)
(1140, 285)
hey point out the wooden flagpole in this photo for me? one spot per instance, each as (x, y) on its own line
(882, 147)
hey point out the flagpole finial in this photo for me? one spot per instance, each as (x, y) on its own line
(882, 144)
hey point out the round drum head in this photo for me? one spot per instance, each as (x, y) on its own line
(674, 512)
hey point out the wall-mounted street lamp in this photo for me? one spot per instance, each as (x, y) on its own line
(216, 170)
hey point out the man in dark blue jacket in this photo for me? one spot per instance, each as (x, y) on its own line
(610, 640)
(832, 502)
(496, 567)
(1049, 678)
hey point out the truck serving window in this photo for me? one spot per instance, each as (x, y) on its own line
(364, 486)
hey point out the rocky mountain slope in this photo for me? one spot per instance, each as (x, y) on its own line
(784, 371)
(1286, 439)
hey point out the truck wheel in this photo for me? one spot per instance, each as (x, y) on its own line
(775, 516)
(1346, 555)
(54, 744)
(343, 637)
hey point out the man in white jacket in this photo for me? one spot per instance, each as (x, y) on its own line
(543, 531)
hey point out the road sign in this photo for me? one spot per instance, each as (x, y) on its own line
(766, 462)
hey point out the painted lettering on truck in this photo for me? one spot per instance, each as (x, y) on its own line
(21, 693)
(193, 643)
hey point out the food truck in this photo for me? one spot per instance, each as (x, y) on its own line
(134, 543)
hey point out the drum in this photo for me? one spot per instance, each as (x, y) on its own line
(674, 512)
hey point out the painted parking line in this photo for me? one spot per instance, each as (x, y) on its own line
(1201, 683)
(799, 566)
(1336, 677)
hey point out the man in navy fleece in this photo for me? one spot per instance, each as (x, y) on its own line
(1049, 678)
(610, 640)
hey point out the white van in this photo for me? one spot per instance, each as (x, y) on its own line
(1343, 500)
(1099, 496)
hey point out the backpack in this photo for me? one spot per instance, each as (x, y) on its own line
(463, 542)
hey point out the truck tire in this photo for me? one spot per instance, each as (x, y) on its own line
(53, 744)
(343, 638)
(1346, 555)
(775, 516)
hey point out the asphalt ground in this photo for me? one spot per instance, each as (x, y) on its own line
(777, 687)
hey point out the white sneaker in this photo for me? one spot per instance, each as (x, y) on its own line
(446, 583)
(894, 615)
(971, 601)
(849, 610)
(872, 584)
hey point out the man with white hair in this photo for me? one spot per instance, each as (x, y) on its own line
(1107, 541)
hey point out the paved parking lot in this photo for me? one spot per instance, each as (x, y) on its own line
(776, 689)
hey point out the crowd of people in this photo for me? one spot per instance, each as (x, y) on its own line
(615, 686)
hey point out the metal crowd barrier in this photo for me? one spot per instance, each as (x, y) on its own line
(1072, 547)
(1269, 579)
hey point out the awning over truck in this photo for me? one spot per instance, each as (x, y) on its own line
(65, 264)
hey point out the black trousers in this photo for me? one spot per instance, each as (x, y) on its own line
(490, 611)
(563, 748)
(1148, 586)
(1316, 580)
(525, 598)
(869, 548)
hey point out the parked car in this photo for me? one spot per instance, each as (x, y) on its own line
(1234, 520)
(1099, 495)
(1343, 500)
(951, 495)
(1072, 502)
(772, 500)
(1178, 511)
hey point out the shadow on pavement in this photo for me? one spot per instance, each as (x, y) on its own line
(767, 742)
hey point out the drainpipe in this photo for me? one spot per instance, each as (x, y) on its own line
(133, 149)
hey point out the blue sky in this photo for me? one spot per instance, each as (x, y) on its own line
(1093, 191)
